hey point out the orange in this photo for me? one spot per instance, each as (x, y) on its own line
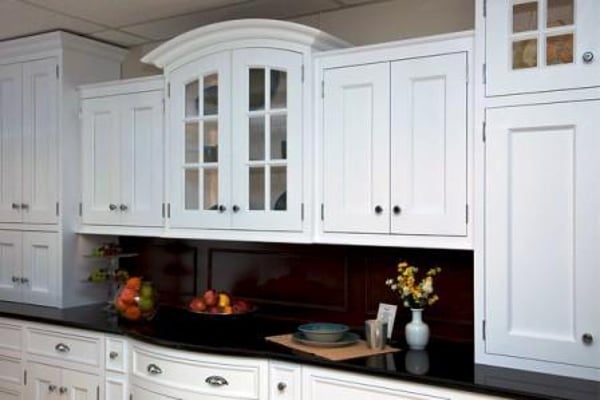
(134, 283)
(127, 296)
(132, 313)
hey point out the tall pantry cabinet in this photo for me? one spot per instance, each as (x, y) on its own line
(39, 158)
(537, 249)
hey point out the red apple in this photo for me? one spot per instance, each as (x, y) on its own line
(210, 297)
(197, 304)
(240, 306)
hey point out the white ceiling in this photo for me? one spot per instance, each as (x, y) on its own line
(135, 22)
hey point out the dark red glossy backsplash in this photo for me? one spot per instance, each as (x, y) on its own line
(308, 282)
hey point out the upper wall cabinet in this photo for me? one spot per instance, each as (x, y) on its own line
(122, 152)
(394, 145)
(239, 124)
(541, 45)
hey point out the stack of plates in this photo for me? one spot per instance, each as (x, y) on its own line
(325, 334)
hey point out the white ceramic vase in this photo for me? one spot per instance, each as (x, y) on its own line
(416, 331)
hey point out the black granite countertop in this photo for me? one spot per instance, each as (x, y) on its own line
(449, 365)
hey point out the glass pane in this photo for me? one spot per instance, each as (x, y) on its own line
(257, 138)
(257, 89)
(211, 141)
(257, 188)
(525, 54)
(192, 143)
(211, 188)
(525, 17)
(559, 49)
(211, 94)
(192, 189)
(278, 188)
(278, 137)
(278, 89)
(560, 13)
(191, 99)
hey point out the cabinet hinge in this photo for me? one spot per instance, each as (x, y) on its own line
(467, 214)
(163, 105)
(80, 113)
(80, 209)
(57, 208)
(130, 396)
(302, 212)
(302, 72)
(24, 377)
(484, 72)
(57, 72)
(483, 134)
(483, 329)
(169, 89)
(163, 210)
(98, 392)
(322, 89)
(484, 8)
(168, 210)
(322, 212)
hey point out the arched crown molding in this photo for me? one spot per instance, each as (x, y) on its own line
(243, 29)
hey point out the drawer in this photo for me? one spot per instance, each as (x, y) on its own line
(115, 354)
(10, 371)
(11, 335)
(191, 374)
(64, 345)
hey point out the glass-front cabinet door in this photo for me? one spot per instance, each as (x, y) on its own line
(199, 140)
(541, 45)
(267, 147)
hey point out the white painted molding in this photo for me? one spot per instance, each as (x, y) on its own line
(124, 86)
(240, 30)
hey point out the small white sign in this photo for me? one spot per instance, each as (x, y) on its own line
(387, 312)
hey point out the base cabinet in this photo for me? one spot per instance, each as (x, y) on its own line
(541, 250)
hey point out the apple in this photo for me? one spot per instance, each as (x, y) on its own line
(197, 304)
(214, 310)
(210, 297)
(240, 306)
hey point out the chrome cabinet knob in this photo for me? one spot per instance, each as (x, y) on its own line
(112, 207)
(24, 280)
(397, 210)
(62, 390)
(113, 355)
(16, 206)
(378, 210)
(235, 208)
(62, 348)
(123, 207)
(216, 380)
(24, 206)
(153, 369)
(16, 279)
(281, 386)
(587, 338)
(587, 57)
(222, 208)
(51, 388)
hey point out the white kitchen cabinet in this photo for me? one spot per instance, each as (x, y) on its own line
(285, 381)
(239, 127)
(29, 134)
(11, 370)
(394, 144)
(542, 196)
(40, 149)
(46, 382)
(30, 267)
(116, 383)
(122, 153)
(541, 45)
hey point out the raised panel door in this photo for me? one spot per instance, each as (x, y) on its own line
(429, 145)
(540, 45)
(267, 139)
(199, 143)
(356, 152)
(141, 166)
(40, 142)
(100, 160)
(78, 385)
(43, 382)
(10, 265)
(541, 237)
(11, 129)
(41, 268)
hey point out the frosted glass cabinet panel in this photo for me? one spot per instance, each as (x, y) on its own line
(541, 259)
(540, 45)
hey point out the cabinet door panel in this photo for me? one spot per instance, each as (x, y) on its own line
(429, 145)
(540, 45)
(10, 265)
(41, 268)
(43, 382)
(356, 154)
(267, 139)
(79, 385)
(141, 163)
(199, 144)
(541, 218)
(100, 159)
(6, 394)
(40, 141)
(138, 393)
(11, 129)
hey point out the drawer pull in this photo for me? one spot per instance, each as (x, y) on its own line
(62, 390)
(113, 355)
(62, 348)
(51, 388)
(216, 381)
(153, 369)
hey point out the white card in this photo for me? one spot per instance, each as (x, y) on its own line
(387, 312)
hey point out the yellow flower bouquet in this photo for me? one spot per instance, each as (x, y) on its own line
(414, 294)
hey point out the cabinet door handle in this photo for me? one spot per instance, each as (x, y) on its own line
(62, 348)
(16, 206)
(16, 279)
(378, 210)
(153, 369)
(222, 208)
(112, 207)
(24, 206)
(235, 208)
(62, 390)
(24, 280)
(587, 338)
(123, 207)
(51, 388)
(397, 210)
(587, 57)
(216, 380)
(281, 386)
(113, 355)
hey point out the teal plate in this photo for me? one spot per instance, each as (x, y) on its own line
(347, 339)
